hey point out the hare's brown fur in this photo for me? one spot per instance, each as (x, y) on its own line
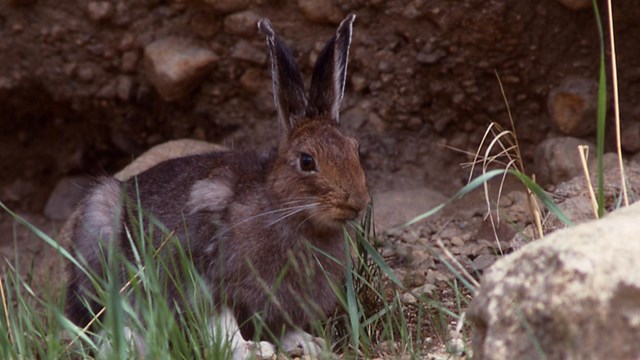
(246, 218)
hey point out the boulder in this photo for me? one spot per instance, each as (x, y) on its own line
(574, 294)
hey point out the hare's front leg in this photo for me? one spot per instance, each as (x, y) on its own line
(224, 328)
(298, 342)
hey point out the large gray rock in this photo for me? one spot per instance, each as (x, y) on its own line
(573, 295)
(175, 66)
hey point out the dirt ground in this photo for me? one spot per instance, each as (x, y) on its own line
(75, 98)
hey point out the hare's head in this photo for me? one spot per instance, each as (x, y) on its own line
(318, 168)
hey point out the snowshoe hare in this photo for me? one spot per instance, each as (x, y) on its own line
(265, 230)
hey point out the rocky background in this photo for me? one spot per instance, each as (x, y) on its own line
(85, 87)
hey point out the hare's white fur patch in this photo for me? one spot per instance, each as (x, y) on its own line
(102, 211)
(298, 339)
(134, 340)
(209, 195)
(224, 328)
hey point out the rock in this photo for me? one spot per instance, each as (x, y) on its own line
(245, 51)
(407, 298)
(630, 136)
(430, 55)
(204, 26)
(124, 86)
(226, 6)
(576, 4)
(396, 207)
(558, 160)
(175, 66)
(65, 196)
(321, 11)
(252, 80)
(573, 106)
(571, 295)
(426, 289)
(129, 61)
(241, 23)
(100, 10)
(86, 73)
(413, 279)
(354, 118)
(483, 261)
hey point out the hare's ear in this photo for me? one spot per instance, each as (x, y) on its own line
(329, 75)
(288, 87)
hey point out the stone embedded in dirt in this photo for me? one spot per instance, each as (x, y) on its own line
(226, 6)
(573, 106)
(66, 195)
(430, 55)
(354, 118)
(124, 86)
(246, 51)
(321, 11)
(241, 23)
(129, 61)
(576, 4)
(630, 136)
(100, 10)
(558, 160)
(175, 66)
(571, 295)
(426, 289)
(483, 261)
(408, 298)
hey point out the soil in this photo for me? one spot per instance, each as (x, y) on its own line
(422, 88)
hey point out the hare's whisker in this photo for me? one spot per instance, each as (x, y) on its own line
(287, 212)
(300, 209)
(318, 213)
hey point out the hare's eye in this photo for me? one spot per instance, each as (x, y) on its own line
(307, 164)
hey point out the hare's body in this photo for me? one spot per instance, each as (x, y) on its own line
(264, 230)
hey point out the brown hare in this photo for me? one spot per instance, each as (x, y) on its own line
(265, 230)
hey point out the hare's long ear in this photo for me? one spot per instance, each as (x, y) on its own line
(288, 86)
(329, 75)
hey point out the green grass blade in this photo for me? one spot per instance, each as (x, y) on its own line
(352, 304)
(40, 234)
(602, 112)
(542, 195)
(377, 258)
(473, 184)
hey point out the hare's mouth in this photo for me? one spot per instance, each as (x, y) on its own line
(345, 212)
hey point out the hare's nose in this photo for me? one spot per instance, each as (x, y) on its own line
(357, 200)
